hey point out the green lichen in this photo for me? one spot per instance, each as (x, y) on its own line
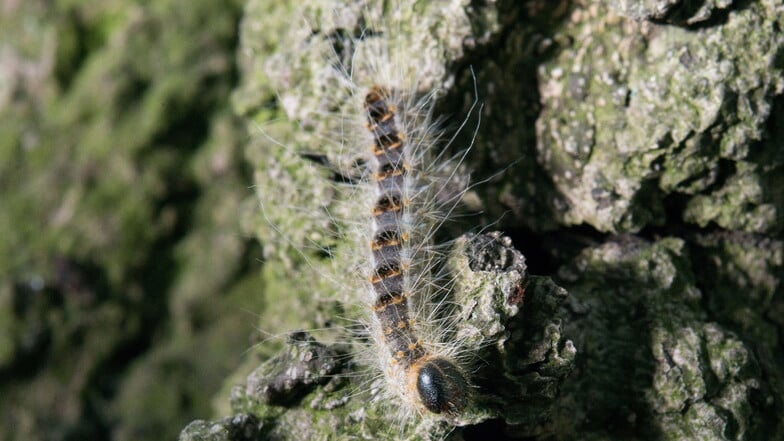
(114, 125)
(638, 312)
(635, 111)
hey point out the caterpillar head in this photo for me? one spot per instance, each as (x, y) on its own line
(442, 387)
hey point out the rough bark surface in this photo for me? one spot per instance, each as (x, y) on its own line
(653, 127)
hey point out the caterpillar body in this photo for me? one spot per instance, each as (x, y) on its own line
(440, 385)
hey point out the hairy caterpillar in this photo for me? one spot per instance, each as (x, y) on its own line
(438, 384)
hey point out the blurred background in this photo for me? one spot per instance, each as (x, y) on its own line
(121, 180)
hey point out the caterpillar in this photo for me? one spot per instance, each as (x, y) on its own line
(381, 185)
(439, 383)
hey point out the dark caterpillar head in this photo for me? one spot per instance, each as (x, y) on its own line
(442, 387)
